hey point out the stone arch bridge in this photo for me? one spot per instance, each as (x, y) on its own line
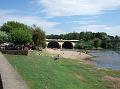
(60, 43)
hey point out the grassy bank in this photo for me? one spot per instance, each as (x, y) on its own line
(42, 72)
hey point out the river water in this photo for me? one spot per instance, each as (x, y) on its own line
(106, 58)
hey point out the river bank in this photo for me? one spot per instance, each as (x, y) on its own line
(40, 71)
(100, 58)
(68, 54)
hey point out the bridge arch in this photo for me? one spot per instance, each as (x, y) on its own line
(67, 45)
(53, 44)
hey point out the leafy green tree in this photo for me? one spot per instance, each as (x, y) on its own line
(74, 36)
(79, 45)
(39, 37)
(12, 25)
(88, 36)
(6, 28)
(61, 36)
(20, 36)
(88, 45)
(116, 43)
(100, 35)
(82, 36)
(104, 44)
(97, 42)
(3, 37)
(84, 45)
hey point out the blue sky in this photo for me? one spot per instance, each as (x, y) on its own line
(63, 16)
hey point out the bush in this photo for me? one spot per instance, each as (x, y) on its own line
(15, 52)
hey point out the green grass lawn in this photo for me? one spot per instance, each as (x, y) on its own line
(42, 72)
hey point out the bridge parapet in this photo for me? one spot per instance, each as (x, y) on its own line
(61, 40)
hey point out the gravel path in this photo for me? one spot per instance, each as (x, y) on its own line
(10, 78)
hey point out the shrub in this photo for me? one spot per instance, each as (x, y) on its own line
(15, 52)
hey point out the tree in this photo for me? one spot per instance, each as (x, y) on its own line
(39, 37)
(117, 38)
(73, 36)
(80, 45)
(84, 45)
(82, 36)
(20, 36)
(6, 28)
(100, 35)
(88, 36)
(12, 25)
(116, 42)
(3, 37)
(97, 42)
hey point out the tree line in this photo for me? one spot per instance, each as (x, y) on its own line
(21, 34)
(90, 40)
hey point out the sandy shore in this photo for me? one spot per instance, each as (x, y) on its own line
(69, 54)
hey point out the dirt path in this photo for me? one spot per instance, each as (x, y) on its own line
(10, 78)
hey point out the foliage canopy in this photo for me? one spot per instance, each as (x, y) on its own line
(20, 36)
(3, 37)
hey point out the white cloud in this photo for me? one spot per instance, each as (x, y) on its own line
(56, 31)
(77, 7)
(82, 22)
(111, 30)
(30, 20)
(48, 26)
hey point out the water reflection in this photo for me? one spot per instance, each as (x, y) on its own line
(106, 58)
